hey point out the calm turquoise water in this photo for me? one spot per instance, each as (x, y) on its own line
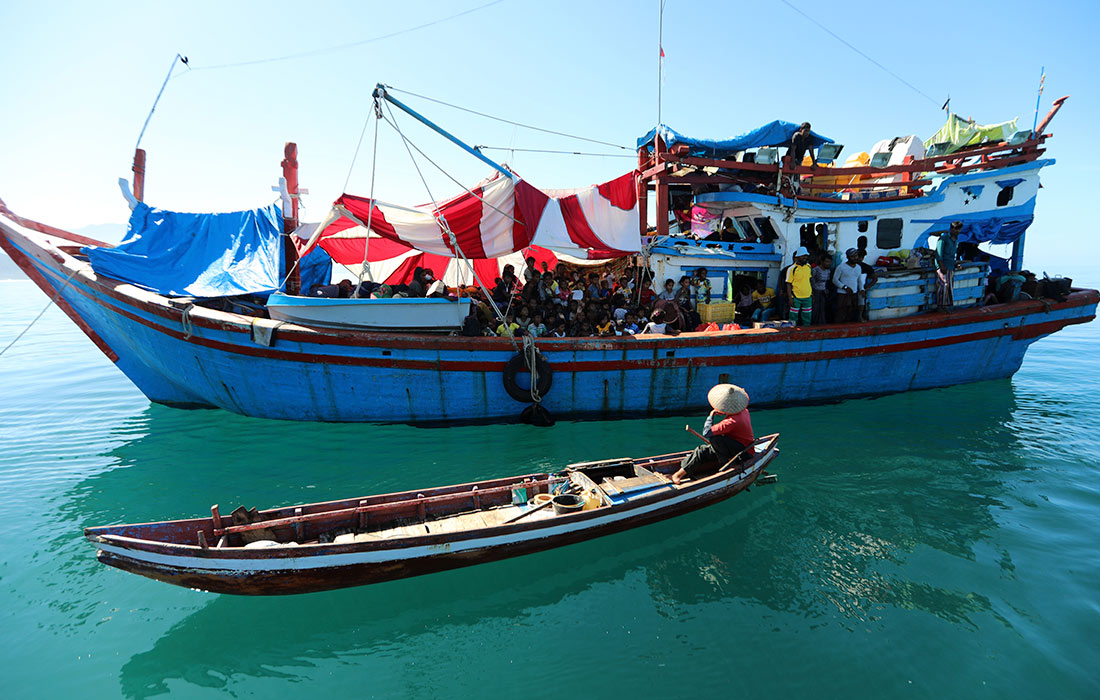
(932, 544)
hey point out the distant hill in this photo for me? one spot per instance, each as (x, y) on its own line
(108, 233)
(8, 269)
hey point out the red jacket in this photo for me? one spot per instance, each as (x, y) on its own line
(736, 427)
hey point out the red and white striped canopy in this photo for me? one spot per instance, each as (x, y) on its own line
(499, 217)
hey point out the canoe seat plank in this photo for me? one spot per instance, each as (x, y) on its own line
(460, 522)
(632, 483)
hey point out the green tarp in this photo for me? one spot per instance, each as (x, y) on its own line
(959, 132)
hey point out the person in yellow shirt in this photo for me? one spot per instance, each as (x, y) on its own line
(799, 289)
(508, 327)
(763, 296)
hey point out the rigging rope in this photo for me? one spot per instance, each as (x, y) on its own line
(853, 48)
(509, 121)
(351, 45)
(451, 177)
(365, 269)
(543, 150)
(163, 85)
(446, 227)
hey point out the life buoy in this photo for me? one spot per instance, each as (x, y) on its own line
(516, 366)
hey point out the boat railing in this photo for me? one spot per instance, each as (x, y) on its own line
(364, 509)
(748, 456)
(688, 169)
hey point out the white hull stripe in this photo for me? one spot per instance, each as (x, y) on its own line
(238, 566)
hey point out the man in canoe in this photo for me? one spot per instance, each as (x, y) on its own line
(727, 439)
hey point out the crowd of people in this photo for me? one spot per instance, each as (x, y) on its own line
(573, 301)
(570, 301)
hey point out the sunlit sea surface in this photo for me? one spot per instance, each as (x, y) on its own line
(932, 544)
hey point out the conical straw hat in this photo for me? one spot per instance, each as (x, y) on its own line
(728, 398)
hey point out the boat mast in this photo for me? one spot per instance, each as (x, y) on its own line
(139, 174)
(660, 183)
(290, 219)
(660, 56)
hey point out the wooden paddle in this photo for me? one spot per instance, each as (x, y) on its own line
(525, 513)
(689, 429)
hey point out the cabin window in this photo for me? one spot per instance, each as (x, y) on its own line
(767, 229)
(862, 226)
(748, 233)
(743, 232)
(1005, 195)
(889, 234)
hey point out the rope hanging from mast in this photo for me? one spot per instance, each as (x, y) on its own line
(376, 111)
(535, 413)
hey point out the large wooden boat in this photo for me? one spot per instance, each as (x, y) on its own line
(188, 355)
(195, 352)
(299, 549)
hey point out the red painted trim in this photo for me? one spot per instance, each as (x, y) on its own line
(38, 278)
(600, 366)
(49, 230)
(732, 340)
(108, 287)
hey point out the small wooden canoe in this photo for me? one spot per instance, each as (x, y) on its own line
(300, 549)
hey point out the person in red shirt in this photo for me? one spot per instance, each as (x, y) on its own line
(726, 440)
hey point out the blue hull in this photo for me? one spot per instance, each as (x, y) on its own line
(208, 358)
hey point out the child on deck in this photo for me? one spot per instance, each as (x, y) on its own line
(524, 317)
(630, 325)
(603, 325)
(537, 328)
(508, 328)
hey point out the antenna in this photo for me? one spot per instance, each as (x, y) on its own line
(660, 56)
(1042, 77)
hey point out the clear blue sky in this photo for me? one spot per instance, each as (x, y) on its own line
(79, 79)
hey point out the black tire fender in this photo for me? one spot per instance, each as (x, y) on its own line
(516, 366)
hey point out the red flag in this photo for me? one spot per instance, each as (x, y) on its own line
(662, 52)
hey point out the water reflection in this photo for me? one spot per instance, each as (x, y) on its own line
(873, 496)
(287, 636)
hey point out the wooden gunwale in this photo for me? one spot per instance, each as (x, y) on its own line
(208, 318)
(952, 163)
(339, 513)
(283, 582)
(132, 542)
(730, 340)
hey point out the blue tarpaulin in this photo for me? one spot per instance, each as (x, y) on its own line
(777, 133)
(997, 230)
(199, 255)
(315, 268)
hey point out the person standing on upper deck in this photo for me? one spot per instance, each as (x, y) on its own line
(799, 289)
(848, 280)
(820, 277)
(799, 146)
(946, 262)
